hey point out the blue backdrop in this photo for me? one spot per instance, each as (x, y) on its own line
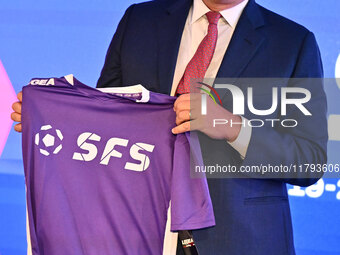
(52, 38)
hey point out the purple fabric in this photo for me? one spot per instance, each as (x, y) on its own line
(93, 203)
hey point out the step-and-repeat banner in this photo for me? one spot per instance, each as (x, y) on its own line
(54, 38)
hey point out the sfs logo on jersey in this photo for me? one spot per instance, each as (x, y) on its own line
(51, 143)
(84, 143)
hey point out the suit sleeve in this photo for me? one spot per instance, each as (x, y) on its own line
(111, 75)
(306, 143)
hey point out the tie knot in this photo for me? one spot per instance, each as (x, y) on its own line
(213, 17)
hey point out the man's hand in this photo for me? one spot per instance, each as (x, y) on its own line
(16, 115)
(189, 117)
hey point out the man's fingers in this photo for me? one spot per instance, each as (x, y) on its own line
(182, 106)
(16, 107)
(188, 114)
(19, 96)
(181, 100)
(182, 117)
(184, 127)
(192, 97)
(16, 117)
(182, 112)
(18, 127)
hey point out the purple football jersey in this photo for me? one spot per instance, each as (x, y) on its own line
(101, 167)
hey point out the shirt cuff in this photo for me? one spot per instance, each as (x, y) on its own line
(242, 141)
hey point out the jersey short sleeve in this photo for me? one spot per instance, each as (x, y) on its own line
(190, 201)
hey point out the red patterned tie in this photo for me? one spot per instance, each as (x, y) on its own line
(200, 62)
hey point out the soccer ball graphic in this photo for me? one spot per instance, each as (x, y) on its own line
(49, 140)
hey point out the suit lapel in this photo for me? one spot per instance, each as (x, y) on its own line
(244, 43)
(170, 29)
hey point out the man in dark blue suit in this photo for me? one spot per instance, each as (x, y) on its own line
(252, 215)
(153, 46)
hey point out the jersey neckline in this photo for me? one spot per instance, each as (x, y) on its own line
(111, 91)
(117, 92)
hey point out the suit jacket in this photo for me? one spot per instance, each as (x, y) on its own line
(252, 214)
